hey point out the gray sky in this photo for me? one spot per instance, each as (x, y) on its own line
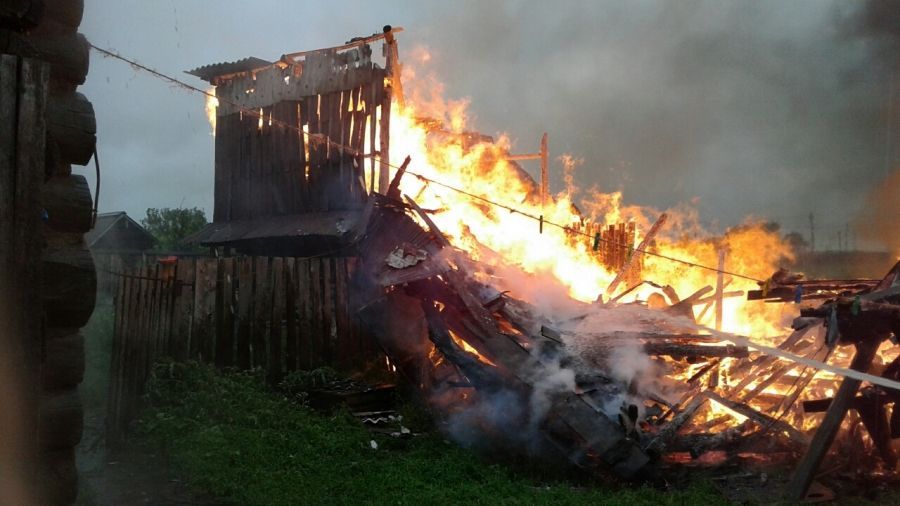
(764, 108)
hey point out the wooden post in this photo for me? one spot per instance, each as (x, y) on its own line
(720, 287)
(384, 150)
(545, 176)
(393, 66)
(23, 89)
(806, 469)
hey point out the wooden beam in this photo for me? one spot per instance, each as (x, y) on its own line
(720, 286)
(645, 242)
(545, 175)
(831, 424)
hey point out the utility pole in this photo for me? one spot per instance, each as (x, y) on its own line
(812, 233)
(847, 244)
(889, 131)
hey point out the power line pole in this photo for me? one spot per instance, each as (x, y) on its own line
(812, 233)
(847, 244)
(889, 131)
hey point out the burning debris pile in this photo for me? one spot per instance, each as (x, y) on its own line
(622, 390)
(600, 334)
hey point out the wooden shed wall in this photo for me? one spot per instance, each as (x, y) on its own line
(279, 314)
(267, 167)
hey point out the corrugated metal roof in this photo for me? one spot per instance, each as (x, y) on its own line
(210, 72)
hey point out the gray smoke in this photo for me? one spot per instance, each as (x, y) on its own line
(762, 107)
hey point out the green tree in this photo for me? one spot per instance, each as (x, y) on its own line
(169, 226)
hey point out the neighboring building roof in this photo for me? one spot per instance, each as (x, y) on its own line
(209, 72)
(320, 224)
(117, 231)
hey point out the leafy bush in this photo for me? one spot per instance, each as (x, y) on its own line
(297, 384)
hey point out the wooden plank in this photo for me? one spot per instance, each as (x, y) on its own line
(248, 134)
(761, 419)
(385, 142)
(290, 315)
(370, 92)
(347, 349)
(224, 165)
(276, 327)
(184, 275)
(336, 187)
(317, 152)
(197, 316)
(720, 287)
(225, 312)
(306, 152)
(22, 298)
(262, 310)
(316, 318)
(359, 139)
(831, 424)
(305, 346)
(329, 310)
(243, 323)
(116, 364)
(219, 312)
(303, 184)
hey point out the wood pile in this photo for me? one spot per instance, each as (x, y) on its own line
(458, 340)
(47, 31)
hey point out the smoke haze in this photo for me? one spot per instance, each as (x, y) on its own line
(767, 108)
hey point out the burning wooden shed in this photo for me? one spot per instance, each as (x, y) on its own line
(299, 146)
(303, 182)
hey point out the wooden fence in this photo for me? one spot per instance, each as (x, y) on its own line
(279, 314)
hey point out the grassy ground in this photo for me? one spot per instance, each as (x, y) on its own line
(239, 441)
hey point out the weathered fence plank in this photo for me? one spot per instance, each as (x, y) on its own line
(279, 314)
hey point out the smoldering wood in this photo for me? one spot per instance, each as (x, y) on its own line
(479, 375)
(645, 242)
(685, 307)
(393, 190)
(689, 350)
(658, 443)
(760, 419)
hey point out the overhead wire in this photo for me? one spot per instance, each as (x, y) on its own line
(322, 138)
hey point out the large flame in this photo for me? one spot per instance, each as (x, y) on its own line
(491, 234)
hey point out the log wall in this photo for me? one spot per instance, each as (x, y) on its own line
(60, 207)
(278, 314)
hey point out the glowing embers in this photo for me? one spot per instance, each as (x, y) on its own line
(468, 348)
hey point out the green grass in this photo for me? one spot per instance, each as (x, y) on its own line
(241, 442)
